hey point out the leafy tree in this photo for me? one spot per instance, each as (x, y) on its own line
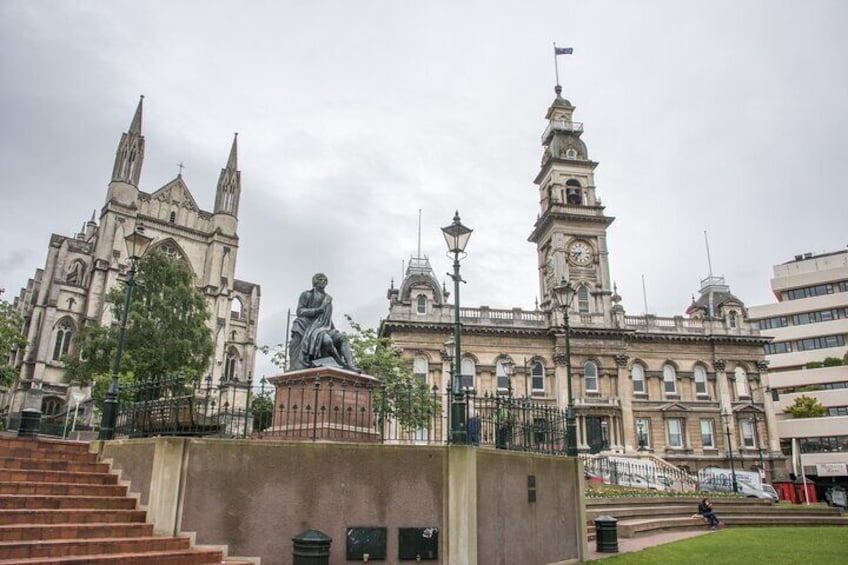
(11, 338)
(402, 397)
(166, 327)
(832, 362)
(806, 407)
(262, 410)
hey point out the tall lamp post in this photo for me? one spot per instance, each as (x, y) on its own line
(137, 244)
(456, 237)
(565, 295)
(726, 417)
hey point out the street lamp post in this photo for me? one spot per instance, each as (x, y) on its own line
(726, 417)
(565, 295)
(137, 243)
(456, 237)
(640, 429)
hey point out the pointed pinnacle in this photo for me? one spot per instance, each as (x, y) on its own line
(232, 162)
(135, 126)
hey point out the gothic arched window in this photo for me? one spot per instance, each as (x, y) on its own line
(231, 365)
(64, 333)
(236, 309)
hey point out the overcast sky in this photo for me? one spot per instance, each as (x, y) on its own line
(725, 116)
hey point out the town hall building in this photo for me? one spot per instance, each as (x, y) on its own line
(676, 387)
(70, 291)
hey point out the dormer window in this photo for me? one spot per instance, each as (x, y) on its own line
(732, 319)
(421, 305)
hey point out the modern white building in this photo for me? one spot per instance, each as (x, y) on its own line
(809, 324)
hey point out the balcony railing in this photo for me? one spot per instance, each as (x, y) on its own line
(561, 126)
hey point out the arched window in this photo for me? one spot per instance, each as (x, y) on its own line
(421, 304)
(637, 373)
(733, 318)
(236, 309)
(700, 375)
(669, 378)
(590, 374)
(538, 375)
(231, 366)
(741, 383)
(173, 217)
(51, 406)
(467, 374)
(503, 378)
(573, 192)
(76, 272)
(64, 333)
(583, 299)
(420, 368)
(571, 153)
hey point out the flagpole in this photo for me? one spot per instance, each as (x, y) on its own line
(556, 66)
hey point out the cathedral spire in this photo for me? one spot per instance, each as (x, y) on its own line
(135, 125)
(130, 153)
(229, 184)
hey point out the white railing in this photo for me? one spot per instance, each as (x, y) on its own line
(562, 125)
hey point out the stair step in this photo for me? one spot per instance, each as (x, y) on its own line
(24, 532)
(72, 516)
(54, 465)
(185, 557)
(62, 489)
(42, 476)
(72, 547)
(47, 501)
(12, 445)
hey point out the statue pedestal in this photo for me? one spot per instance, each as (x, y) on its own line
(324, 404)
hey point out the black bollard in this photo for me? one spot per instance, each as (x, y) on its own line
(311, 548)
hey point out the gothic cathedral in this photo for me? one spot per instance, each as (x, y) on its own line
(70, 291)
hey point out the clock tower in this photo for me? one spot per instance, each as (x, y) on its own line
(571, 231)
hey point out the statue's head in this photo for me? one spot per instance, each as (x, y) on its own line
(319, 279)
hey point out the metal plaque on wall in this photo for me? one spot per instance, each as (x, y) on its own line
(418, 543)
(367, 543)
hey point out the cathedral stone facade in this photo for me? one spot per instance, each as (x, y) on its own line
(70, 291)
(678, 387)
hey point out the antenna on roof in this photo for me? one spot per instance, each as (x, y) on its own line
(419, 234)
(644, 295)
(709, 260)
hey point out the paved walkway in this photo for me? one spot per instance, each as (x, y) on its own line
(626, 545)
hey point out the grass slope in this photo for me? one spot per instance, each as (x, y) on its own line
(748, 546)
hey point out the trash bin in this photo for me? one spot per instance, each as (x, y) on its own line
(311, 548)
(606, 534)
(30, 422)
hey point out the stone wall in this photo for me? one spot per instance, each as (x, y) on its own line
(255, 496)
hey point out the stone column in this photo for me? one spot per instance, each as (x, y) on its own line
(768, 404)
(561, 379)
(725, 402)
(625, 392)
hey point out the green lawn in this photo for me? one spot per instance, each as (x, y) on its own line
(748, 546)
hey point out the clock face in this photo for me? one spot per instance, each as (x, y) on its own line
(580, 253)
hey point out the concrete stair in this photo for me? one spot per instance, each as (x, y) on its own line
(648, 515)
(59, 505)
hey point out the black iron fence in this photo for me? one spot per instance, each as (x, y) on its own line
(337, 408)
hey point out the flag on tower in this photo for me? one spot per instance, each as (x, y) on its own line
(563, 50)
